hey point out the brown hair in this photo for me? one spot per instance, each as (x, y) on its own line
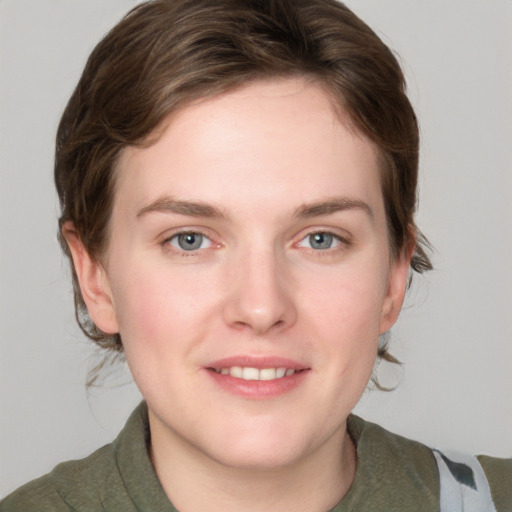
(165, 53)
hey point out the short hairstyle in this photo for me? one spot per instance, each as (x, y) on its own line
(166, 53)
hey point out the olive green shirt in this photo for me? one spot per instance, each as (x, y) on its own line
(393, 474)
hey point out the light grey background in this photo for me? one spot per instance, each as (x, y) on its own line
(455, 335)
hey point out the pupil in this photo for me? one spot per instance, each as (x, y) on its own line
(190, 241)
(321, 241)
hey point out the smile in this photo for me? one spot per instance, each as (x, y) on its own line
(257, 377)
(249, 373)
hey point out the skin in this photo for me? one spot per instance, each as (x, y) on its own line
(275, 165)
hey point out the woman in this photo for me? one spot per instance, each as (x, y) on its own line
(238, 186)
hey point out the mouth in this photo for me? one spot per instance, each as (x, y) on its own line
(251, 373)
(257, 377)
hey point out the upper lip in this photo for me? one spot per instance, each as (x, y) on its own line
(260, 362)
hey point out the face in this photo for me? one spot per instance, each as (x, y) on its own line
(249, 274)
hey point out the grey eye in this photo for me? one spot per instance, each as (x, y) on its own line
(189, 241)
(320, 241)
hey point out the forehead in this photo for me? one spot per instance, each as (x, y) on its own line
(284, 137)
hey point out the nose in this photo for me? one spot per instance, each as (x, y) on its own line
(260, 297)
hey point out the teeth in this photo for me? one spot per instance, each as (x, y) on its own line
(280, 372)
(267, 374)
(248, 373)
(236, 371)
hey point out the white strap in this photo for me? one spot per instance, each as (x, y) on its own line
(463, 484)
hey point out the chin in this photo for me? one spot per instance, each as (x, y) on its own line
(257, 458)
(263, 447)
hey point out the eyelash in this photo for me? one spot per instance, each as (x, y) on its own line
(168, 242)
(340, 243)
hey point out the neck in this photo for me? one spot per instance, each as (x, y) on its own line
(194, 482)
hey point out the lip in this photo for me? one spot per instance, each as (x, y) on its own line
(257, 389)
(256, 362)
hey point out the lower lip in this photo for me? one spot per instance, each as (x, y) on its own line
(258, 389)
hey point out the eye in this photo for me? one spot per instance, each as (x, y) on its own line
(320, 241)
(190, 241)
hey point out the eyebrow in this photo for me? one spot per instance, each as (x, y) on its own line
(189, 208)
(332, 205)
(200, 209)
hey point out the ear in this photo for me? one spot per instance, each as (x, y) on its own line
(93, 282)
(397, 284)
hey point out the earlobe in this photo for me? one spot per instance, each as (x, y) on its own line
(93, 282)
(397, 284)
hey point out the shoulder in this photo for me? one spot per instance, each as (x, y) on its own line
(393, 471)
(499, 474)
(396, 463)
(38, 495)
(111, 478)
(68, 483)
(393, 451)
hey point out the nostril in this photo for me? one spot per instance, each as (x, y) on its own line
(259, 303)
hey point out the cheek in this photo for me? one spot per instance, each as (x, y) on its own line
(156, 305)
(138, 303)
(350, 301)
(346, 325)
